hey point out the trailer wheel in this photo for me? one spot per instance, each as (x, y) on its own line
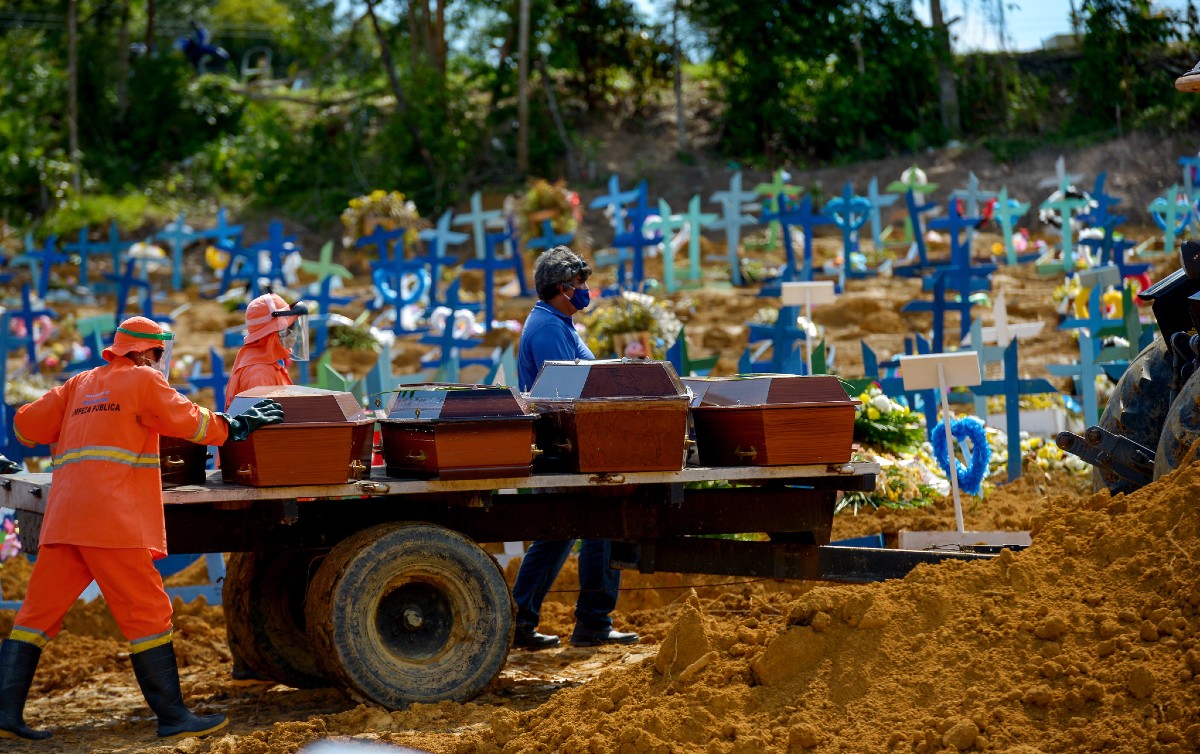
(263, 596)
(404, 613)
(1138, 407)
(1180, 430)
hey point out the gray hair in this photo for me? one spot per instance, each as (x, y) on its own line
(555, 267)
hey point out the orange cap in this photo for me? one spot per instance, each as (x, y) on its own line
(260, 323)
(136, 334)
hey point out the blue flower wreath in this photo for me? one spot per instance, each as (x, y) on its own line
(970, 479)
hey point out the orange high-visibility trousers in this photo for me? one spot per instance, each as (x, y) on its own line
(131, 585)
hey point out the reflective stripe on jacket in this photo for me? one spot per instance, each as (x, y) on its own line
(103, 426)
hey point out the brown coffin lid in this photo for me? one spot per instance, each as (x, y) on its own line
(444, 401)
(606, 378)
(304, 405)
(767, 391)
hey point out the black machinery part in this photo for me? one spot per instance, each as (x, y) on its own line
(1111, 453)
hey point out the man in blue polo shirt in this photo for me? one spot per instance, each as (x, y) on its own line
(549, 335)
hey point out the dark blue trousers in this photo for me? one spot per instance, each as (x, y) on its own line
(598, 583)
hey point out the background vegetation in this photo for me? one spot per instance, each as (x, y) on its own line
(422, 96)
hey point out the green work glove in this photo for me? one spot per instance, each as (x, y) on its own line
(8, 467)
(260, 414)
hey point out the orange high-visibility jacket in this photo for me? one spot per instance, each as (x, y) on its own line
(257, 364)
(103, 426)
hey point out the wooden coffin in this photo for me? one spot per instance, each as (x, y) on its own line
(325, 438)
(453, 431)
(609, 416)
(771, 420)
(181, 461)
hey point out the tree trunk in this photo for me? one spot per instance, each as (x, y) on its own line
(948, 89)
(123, 63)
(149, 27)
(523, 90)
(573, 171)
(73, 90)
(385, 56)
(677, 60)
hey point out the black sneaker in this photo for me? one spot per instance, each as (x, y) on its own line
(1190, 81)
(583, 638)
(529, 638)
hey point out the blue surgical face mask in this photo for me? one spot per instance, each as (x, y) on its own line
(580, 298)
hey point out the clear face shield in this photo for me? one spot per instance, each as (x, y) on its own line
(159, 357)
(293, 333)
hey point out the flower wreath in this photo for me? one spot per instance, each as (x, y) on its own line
(970, 478)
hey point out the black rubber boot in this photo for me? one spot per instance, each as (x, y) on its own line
(18, 661)
(158, 675)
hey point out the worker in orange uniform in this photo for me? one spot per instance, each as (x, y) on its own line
(104, 517)
(276, 334)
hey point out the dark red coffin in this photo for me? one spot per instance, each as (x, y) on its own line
(325, 438)
(609, 416)
(454, 431)
(771, 420)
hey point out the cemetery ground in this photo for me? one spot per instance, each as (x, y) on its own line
(1084, 642)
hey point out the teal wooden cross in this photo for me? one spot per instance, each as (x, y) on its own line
(504, 370)
(328, 378)
(771, 193)
(732, 220)
(1066, 206)
(849, 213)
(1172, 214)
(1190, 165)
(695, 220)
(667, 224)
(439, 238)
(1006, 211)
(324, 266)
(878, 201)
(684, 364)
(179, 236)
(478, 219)
(1012, 387)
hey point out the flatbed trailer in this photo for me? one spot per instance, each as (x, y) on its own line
(379, 586)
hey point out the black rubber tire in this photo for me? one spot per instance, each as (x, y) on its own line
(1180, 430)
(1138, 407)
(263, 597)
(409, 612)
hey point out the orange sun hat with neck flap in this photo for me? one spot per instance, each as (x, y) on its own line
(138, 334)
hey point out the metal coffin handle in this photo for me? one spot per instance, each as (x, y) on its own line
(174, 462)
(247, 470)
(416, 455)
(357, 468)
(746, 455)
(564, 445)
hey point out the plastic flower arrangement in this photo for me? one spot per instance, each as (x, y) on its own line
(631, 313)
(902, 483)
(387, 208)
(548, 201)
(883, 423)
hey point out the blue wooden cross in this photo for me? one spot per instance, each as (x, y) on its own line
(954, 224)
(1099, 217)
(1066, 206)
(732, 220)
(126, 284)
(549, 238)
(449, 347)
(41, 261)
(849, 213)
(783, 337)
(438, 240)
(771, 193)
(795, 213)
(878, 201)
(490, 263)
(959, 280)
(1084, 373)
(84, 250)
(509, 238)
(1012, 387)
(1171, 215)
(971, 196)
(915, 210)
(28, 313)
(390, 287)
(892, 386)
(1190, 165)
(381, 238)
(223, 230)
(478, 220)
(635, 237)
(115, 246)
(379, 378)
(216, 378)
(179, 236)
(277, 247)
